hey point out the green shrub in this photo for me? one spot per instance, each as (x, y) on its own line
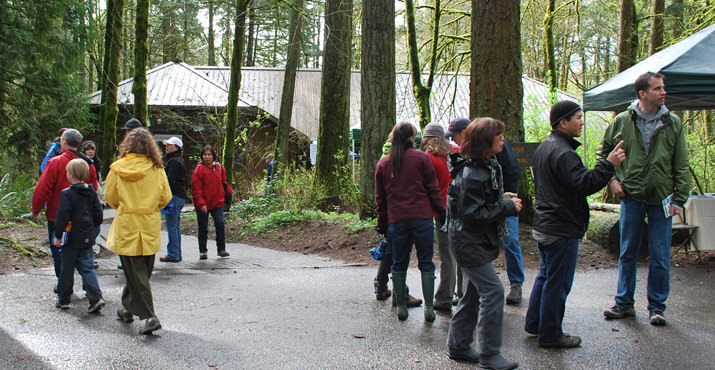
(16, 195)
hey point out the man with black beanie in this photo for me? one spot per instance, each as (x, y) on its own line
(562, 183)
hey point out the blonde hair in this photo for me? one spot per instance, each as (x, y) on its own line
(78, 168)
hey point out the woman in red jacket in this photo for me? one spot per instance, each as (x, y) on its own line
(207, 185)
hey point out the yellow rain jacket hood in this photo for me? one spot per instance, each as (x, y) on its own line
(138, 191)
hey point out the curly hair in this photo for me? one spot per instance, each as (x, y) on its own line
(436, 145)
(141, 141)
(479, 137)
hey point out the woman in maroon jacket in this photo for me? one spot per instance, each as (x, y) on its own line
(207, 186)
(407, 194)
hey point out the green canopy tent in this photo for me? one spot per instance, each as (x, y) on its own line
(689, 69)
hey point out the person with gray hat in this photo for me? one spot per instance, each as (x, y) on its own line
(176, 174)
(562, 183)
(437, 147)
(131, 124)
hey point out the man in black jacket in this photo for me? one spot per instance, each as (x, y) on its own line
(561, 219)
(176, 173)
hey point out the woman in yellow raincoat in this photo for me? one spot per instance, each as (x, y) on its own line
(138, 189)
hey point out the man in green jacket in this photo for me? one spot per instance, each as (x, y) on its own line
(656, 168)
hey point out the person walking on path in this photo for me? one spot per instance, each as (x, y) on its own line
(407, 194)
(382, 292)
(208, 183)
(657, 168)
(176, 174)
(512, 248)
(137, 188)
(80, 212)
(562, 184)
(51, 183)
(476, 220)
(437, 147)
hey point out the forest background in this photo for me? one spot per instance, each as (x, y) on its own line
(56, 52)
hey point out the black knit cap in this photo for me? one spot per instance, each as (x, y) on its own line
(561, 110)
(132, 124)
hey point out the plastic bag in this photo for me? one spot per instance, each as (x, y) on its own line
(378, 252)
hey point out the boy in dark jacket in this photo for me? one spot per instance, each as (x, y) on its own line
(79, 212)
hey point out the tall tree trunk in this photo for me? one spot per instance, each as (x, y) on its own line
(141, 56)
(110, 80)
(422, 92)
(628, 40)
(335, 95)
(286, 109)
(677, 11)
(251, 41)
(377, 85)
(212, 49)
(656, 26)
(496, 89)
(550, 54)
(167, 24)
(234, 87)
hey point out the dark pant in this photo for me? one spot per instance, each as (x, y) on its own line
(551, 288)
(203, 220)
(136, 296)
(83, 261)
(404, 235)
(56, 252)
(383, 271)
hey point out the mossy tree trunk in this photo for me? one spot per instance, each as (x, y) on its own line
(141, 56)
(333, 140)
(377, 85)
(496, 87)
(234, 87)
(628, 38)
(422, 91)
(286, 109)
(656, 26)
(549, 50)
(211, 42)
(110, 80)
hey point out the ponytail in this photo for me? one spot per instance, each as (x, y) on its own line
(402, 136)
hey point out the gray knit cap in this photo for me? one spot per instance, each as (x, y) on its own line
(433, 129)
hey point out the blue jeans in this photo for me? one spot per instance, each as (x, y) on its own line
(551, 288)
(659, 236)
(512, 252)
(203, 220)
(417, 232)
(83, 261)
(173, 218)
(56, 252)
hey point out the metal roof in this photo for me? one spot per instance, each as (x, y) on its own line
(180, 85)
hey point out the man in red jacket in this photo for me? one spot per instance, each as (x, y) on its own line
(53, 180)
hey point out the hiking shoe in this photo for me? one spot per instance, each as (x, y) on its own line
(411, 301)
(657, 318)
(514, 296)
(125, 316)
(443, 306)
(616, 312)
(55, 289)
(497, 362)
(64, 306)
(203, 256)
(530, 330)
(150, 325)
(455, 300)
(566, 341)
(168, 259)
(383, 295)
(223, 254)
(96, 306)
(468, 356)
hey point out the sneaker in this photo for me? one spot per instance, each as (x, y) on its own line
(150, 325)
(223, 254)
(125, 316)
(468, 356)
(657, 318)
(566, 341)
(64, 306)
(96, 306)
(168, 259)
(514, 296)
(616, 312)
(203, 256)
